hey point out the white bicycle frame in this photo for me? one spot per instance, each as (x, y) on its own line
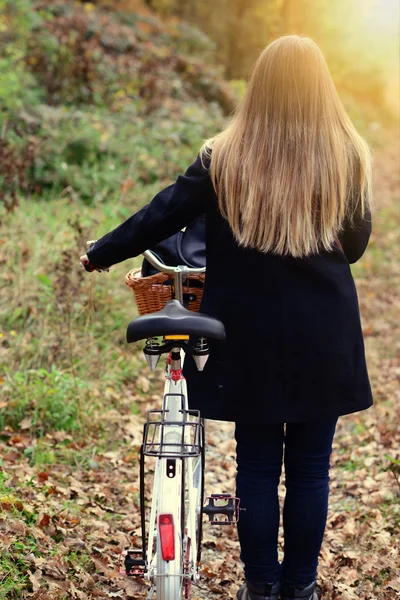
(167, 491)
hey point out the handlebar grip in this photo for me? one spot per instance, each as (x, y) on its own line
(89, 267)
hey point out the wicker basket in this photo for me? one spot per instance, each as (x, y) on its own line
(153, 292)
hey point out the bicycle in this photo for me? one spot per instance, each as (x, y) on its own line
(175, 437)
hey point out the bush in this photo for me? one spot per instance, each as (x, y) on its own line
(48, 400)
(96, 155)
(18, 86)
(120, 108)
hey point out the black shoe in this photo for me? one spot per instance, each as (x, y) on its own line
(249, 592)
(311, 592)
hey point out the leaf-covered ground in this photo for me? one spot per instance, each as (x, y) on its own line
(70, 504)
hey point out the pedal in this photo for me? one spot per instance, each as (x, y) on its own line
(130, 564)
(227, 505)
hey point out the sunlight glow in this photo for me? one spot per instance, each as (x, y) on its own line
(381, 15)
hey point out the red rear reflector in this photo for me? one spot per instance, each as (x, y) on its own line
(167, 536)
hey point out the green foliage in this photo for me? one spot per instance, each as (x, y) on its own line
(61, 317)
(17, 85)
(98, 154)
(44, 453)
(49, 399)
(13, 575)
(79, 91)
(191, 40)
(82, 560)
(128, 96)
(80, 56)
(13, 565)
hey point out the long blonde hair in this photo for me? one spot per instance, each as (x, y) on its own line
(290, 166)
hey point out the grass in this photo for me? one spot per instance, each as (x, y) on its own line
(13, 563)
(51, 398)
(379, 259)
(350, 465)
(63, 355)
(13, 576)
(81, 560)
(53, 315)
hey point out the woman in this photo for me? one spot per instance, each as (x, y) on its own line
(286, 189)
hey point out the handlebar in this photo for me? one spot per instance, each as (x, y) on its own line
(157, 264)
(177, 272)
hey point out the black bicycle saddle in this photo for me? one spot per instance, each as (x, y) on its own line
(175, 319)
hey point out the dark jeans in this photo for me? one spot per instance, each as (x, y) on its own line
(308, 447)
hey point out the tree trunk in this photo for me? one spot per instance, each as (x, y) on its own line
(286, 13)
(235, 38)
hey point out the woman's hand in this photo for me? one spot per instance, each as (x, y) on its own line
(85, 262)
(88, 265)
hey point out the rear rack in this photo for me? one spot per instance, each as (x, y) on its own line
(186, 439)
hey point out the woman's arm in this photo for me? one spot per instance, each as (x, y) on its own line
(355, 235)
(169, 211)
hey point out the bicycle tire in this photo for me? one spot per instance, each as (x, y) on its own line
(191, 558)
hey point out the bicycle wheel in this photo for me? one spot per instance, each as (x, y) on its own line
(192, 506)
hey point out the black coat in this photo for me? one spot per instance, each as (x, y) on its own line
(294, 349)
